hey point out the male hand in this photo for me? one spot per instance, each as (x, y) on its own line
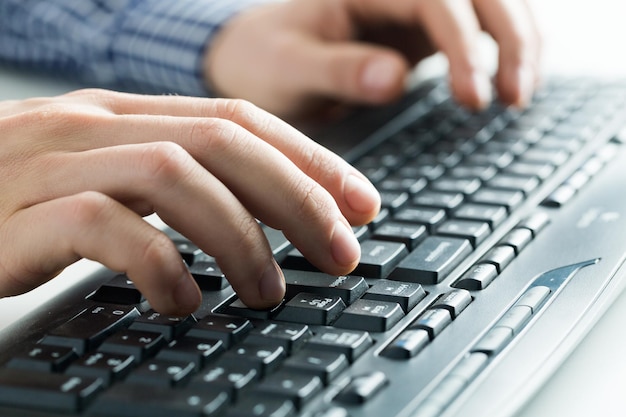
(78, 172)
(298, 56)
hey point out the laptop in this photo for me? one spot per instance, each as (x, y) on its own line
(492, 283)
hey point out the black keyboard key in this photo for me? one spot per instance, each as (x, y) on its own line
(525, 184)
(351, 343)
(299, 388)
(515, 318)
(265, 359)
(500, 159)
(535, 222)
(227, 329)
(53, 392)
(407, 345)
(509, 199)
(325, 365)
(187, 249)
(534, 297)
(408, 185)
(110, 367)
(162, 372)
(239, 309)
(490, 214)
(432, 260)
(407, 233)
(439, 200)
(311, 309)
(295, 260)
(208, 276)
(169, 326)
(541, 170)
(44, 358)
(91, 326)
(233, 378)
(261, 406)
(393, 200)
(370, 315)
(130, 400)
(556, 157)
(118, 290)
(465, 186)
(429, 217)
(428, 170)
(474, 231)
(138, 343)
(349, 288)
(454, 301)
(482, 172)
(290, 336)
(517, 238)
(192, 349)
(379, 257)
(406, 294)
(560, 196)
(433, 320)
(383, 215)
(500, 256)
(477, 277)
(361, 388)
(493, 341)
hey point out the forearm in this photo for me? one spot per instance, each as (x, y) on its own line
(151, 46)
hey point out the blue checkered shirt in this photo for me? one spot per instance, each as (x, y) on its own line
(150, 46)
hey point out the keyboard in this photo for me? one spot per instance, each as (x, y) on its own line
(499, 240)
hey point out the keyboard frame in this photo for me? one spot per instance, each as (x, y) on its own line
(555, 333)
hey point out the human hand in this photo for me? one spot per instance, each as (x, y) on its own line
(292, 57)
(78, 172)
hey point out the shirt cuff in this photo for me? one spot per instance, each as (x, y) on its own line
(159, 45)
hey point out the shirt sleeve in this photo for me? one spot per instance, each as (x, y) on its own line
(149, 46)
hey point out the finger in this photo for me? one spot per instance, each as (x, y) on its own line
(513, 28)
(49, 236)
(186, 197)
(454, 28)
(358, 200)
(272, 188)
(351, 72)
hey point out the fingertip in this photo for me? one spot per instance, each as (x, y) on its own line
(186, 295)
(383, 77)
(344, 247)
(472, 89)
(272, 284)
(516, 86)
(361, 197)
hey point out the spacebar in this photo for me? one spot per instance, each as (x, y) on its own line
(432, 260)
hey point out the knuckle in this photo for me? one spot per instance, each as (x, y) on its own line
(165, 162)
(156, 250)
(86, 208)
(237, 109)
(216, 136)
(316, 204)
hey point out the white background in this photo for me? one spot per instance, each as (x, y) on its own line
(580, 37)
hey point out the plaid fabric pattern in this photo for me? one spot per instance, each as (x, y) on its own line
(149, 46)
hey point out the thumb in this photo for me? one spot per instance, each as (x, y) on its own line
(354, 72)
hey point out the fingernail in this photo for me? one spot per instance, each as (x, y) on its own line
(272, 284)
(187, 295)
(344, 246)
(482, 83)
(379, 74)
(360, 194)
